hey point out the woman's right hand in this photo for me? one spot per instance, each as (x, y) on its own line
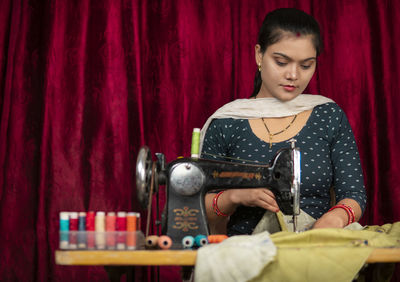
(258, 197)
(230, 199)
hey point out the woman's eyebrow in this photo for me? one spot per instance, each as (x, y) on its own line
(290, 59)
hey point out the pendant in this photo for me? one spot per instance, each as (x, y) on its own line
(270, 141)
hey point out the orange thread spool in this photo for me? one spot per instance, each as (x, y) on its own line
(212, 239)
(131, 223)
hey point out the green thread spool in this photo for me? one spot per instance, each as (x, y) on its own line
(195, 143)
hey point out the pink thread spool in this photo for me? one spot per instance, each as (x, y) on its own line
(111, 220)
(164, 242)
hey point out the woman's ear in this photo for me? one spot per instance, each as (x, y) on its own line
(258, 54)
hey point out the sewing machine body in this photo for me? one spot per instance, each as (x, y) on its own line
(187, 181)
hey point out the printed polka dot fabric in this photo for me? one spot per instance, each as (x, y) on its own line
(329, 157)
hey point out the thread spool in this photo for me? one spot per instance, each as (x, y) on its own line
(121, 230)
(213, 239)
(200, 240)
(99, 223)
(90, 222)
(131, 225)
(111, 220)
(64, 229)
(195, 149)
(138, 221)
(187, 242)
(82, 230)
(73, 230)
(164, 242)
(151, 242)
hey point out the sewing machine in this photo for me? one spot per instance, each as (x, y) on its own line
(187, 181)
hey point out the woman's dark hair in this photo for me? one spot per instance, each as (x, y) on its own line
(279, 21)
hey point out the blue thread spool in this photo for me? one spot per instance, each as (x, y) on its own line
(200, 240)
(82, 230)
(188, 242)
(64, 230)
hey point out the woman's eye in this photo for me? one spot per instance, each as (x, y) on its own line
(304, 67)
(281, 63)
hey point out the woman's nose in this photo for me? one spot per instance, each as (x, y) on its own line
(292, 73)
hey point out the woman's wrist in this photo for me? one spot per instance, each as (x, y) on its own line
(225, 202)
(340, 216)
(333, 219)
(231, 197)
(215, 206)
(347, 210)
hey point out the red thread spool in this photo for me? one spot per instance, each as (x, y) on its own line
(121, 221)
(164, 242)
(121, 228)
(90, 221)
(73, 221)
(90, 229)
(73, 228)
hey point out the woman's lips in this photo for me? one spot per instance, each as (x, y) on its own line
(289, 88)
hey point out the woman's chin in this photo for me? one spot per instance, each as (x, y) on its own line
(285, 97)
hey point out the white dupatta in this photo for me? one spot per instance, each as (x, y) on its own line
(264, 107)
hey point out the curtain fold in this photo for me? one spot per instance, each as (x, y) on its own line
(83, 84)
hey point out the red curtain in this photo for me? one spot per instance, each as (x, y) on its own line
(85, 83)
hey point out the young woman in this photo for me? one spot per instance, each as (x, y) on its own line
(255, 129)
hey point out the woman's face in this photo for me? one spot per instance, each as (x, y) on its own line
(286, 66)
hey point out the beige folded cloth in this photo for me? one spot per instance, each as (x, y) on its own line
(238, 258)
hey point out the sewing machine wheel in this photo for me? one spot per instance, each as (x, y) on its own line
(143, 175)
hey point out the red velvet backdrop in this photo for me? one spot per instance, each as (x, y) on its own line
(85, 83)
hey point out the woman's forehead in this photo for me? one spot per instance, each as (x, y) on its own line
(294, 46)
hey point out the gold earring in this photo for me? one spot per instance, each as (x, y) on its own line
(259, 67)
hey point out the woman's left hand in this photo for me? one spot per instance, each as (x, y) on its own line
(336, 218)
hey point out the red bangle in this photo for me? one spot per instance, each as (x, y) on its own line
(349, 210)
(215, 205)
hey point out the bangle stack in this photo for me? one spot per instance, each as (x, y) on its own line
(215, 205)
(349, 210)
